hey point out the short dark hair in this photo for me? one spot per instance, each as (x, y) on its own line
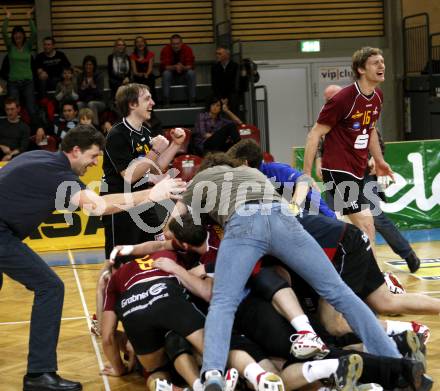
(176, 36)
(218, 159)
(84, 137)
(210, 101)
(188, 232)
(360, 57)
(49, 38)
(128, 94)
(248, 150)
(9, 100)
(69, 102)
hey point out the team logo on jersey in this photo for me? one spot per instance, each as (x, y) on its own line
(357, 115)
(139, 148)
(375, 112)
(356, 125)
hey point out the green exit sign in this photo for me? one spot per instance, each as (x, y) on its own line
(310, 46)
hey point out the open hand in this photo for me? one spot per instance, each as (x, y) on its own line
(167, 188)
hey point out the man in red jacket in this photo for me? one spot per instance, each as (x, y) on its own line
(177, 64)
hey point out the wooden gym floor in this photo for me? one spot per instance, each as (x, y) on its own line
(80, 355)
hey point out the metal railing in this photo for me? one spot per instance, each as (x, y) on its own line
(415, 42)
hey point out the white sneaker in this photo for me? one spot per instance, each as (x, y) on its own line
(231, 379)
(268, 381)
(422, 331)
(393, 283)
(369, 387)
(306, 344)
(214, 381)
(162, 385)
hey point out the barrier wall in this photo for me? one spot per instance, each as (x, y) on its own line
(413, 201)
(85, 232)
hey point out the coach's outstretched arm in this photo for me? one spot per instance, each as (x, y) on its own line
(89, 201)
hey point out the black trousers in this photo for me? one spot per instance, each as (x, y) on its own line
(21, 264)
(222, 139)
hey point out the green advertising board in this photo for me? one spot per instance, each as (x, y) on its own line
(413, 201)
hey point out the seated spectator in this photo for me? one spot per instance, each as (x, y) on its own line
(177, 65)
(42, 140)
(213, 131)
(14, 133)
(66, 88)
(50, 64)
(67, 121)
(118, 67)
(86, 116)
(91, 87)
(224, 77)
(20, 77)
(142, 62)
(107, 120)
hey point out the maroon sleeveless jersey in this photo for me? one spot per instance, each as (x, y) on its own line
(131, 273)
(351, 116)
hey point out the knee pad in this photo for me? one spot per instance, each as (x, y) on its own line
(267, 282)
(175, 345)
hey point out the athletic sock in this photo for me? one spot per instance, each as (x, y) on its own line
(197, 385)
(397, 326)
(301, 323)
(315, 370)
(251, 373)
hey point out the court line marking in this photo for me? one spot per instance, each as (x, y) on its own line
(87, 317)
(28, 321)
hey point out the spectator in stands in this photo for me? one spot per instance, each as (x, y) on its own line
(50, 64)
(14, 133)
(142, 62)
(67, 121)
(118, 67)
(91, 87)
(107, 120)
(42, 140)
(224, 77)
(177, 64)
(66, 88)
(215, 128)
(20, 77)
(86, 116)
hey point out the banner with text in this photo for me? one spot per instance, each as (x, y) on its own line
(413, 201)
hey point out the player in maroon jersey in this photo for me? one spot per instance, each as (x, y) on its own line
(348, 121)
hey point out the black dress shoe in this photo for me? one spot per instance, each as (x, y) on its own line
(413, 262)
(49, 382)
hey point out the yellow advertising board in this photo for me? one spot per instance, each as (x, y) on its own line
(85, 232)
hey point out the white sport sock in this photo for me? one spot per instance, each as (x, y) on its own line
(301, 323)
(197, 385)
(322, 369)
(251, 373)
(397, 326)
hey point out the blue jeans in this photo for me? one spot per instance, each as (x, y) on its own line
(272, 229)
(24, 88)
(188, 77)
(21, 264)
(386, 227)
